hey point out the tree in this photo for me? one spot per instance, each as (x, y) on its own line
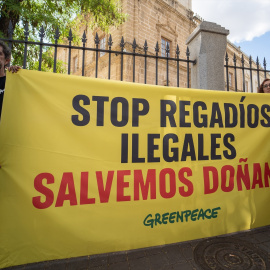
(53, 14)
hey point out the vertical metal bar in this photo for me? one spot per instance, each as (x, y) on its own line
(41, 35)
(157, 51)
(235, 72)
(134, 46)
(133, 76)
(227, 71)
(250, 65)
(83, 51)
(188, 54)
(145, 47)
(97, 51)
(122, 45)
(258, 71)
(167, 63)
(110, 42)
(243, 73)
(70, 38)
(83, 59)
(177, 56)
(56, 37)
(264, 65)
(26, 34)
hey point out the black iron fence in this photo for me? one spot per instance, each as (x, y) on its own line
(233, 72)
(238, 71)
(134, 54)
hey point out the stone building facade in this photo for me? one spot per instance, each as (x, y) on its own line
(163, 21)
(242, 80)
(168, 22)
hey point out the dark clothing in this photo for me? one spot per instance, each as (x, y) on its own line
(2, 90)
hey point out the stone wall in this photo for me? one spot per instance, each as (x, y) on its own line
(148, 20)
(152, 20)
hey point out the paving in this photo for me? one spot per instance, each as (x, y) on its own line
(248, 250)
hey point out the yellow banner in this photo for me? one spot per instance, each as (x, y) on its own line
(93, 166)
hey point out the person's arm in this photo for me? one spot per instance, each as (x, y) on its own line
(13, 69)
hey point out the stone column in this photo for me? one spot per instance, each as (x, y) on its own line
(207, 45)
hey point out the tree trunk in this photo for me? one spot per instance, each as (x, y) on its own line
(7, 14)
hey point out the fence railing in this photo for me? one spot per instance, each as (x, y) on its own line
(258, 71)
(146, 55)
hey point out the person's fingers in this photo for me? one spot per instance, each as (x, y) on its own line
(14, 69)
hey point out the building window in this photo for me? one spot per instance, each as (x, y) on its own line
(102, 46)
(75, 64)
(230, 79)
(164, 43)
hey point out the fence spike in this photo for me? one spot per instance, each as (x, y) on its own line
(110, 42)
(96, 39)
(257, 61)
(145, 47)
(56, 35)
(70, 37)
(41, 33)
(242, 59)
(10, 30)
(250, 60)
(264, 63)
(84, 39)
(234, 58)
(122, 43)
(26, 30)
(157, 48)
(134, 44)
(226, 57)
(167, 49)
(177, 51)
(187, 52)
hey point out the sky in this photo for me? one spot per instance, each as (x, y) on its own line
(247, 20)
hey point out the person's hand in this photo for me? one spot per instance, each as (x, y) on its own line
(13, 69)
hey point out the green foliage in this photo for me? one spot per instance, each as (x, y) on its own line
(53, 14)
(48, 63)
